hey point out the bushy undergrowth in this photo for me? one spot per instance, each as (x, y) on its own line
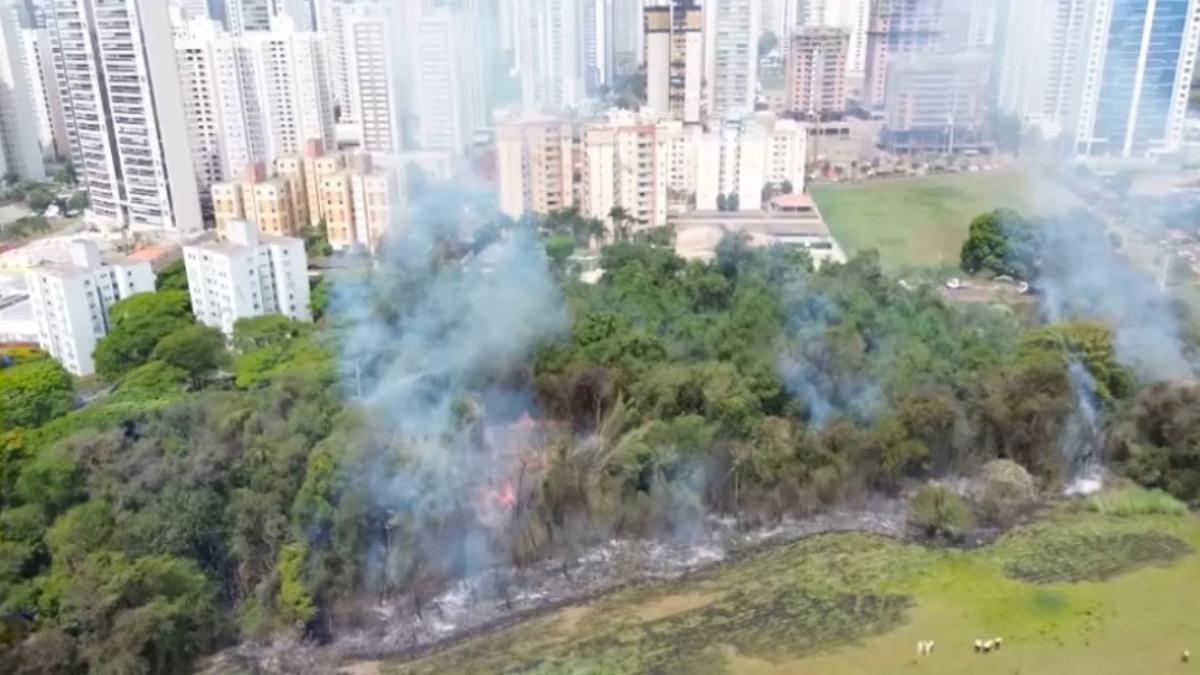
(1135, 501)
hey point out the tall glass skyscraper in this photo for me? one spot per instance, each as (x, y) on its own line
(1136, 78)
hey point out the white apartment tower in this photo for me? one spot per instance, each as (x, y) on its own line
(20, 152)
(731, 31)
(71, 301)
(245, 276)
(550, 53)
(449, 95)
(675, 59)
(372, 42)
(625, 36)
(197, 77)
(1134, 90)
(743, 156)
(119, 82)
(291, 78)
(47, 103)
(1041, 61)
(244, 16)
(252, 97)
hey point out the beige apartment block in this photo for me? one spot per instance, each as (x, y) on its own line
(626, 164)
(535, 166)
(266, 202)
(291, 169)
(816, 70)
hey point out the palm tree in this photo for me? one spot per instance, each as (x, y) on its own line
(620, 220)
(595, 230)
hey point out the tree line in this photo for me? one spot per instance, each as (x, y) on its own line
(217, 493)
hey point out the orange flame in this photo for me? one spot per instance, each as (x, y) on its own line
(503, 497)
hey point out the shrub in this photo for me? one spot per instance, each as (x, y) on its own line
(938, 511)
(1007, 489)
(1134, 501)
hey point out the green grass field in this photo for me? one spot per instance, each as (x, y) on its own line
(924, 221)
(1079, 593)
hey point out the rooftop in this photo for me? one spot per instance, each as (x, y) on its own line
(793, 201)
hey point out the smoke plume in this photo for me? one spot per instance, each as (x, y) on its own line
(429, 335)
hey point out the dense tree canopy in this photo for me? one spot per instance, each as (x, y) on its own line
(1000, 241)
(33, 393)
(137, 324)
(180, 511)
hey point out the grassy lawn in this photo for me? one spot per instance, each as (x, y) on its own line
(1095, 594)
(922, 221)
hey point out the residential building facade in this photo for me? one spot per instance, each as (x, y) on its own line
(675, 59)
(1042, 59)
(626, 163)
(731, 32)
(20, 152)
(816, 70)
(449, 90)
(898, 28)
(743, 156)
(124, 109)
(535, 166)
(71, 301)
(550, 53)
(245, 276)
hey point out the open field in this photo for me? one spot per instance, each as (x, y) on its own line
(922, 221)
(1080, 593)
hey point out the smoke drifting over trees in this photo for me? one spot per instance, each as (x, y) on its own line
(468, 411)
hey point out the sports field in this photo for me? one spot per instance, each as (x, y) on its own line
(1077, 593)
(924, 221)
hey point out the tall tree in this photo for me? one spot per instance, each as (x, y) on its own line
(138, 323)
(33, 393)
(195, 349)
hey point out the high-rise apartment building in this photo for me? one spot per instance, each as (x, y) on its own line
(47, 104)
(535, 166)
(971, 24)
(70, 302)
(20, 152)
(675, 59)
(775, 17)
(593, 42)
(1041, 58)
(853, 16)
(253, 97)
(1139, 65)
(245, 276)
(625, 164)
(119, 83)
(731, 32)
(449, 90)
(626, 36)
(374, 36)
(816, 70)
(198, 63)
(246, 16)
(898, 28)
(936, 102)
(550, 53)
(295, 99)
